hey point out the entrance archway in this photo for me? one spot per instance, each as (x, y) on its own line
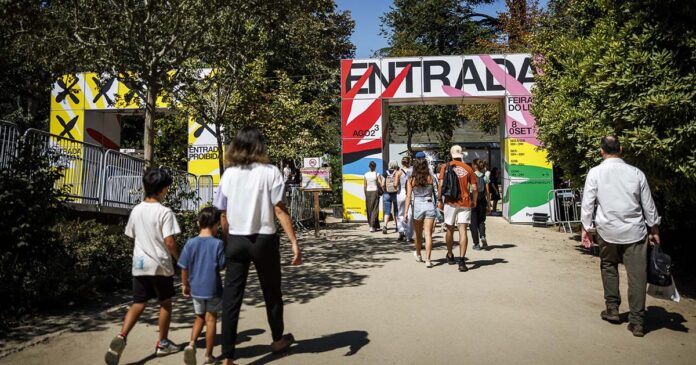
(369, 86)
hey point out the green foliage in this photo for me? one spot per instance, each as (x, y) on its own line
(30, 206)
(433, 27)
(628, 68)
(98, 257)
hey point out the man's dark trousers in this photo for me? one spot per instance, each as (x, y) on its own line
(635, 258)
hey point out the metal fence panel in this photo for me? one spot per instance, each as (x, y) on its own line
(81, 164)
(565, 207)
(122, 184)
(9, 137)
(184, 188)
(205, 190)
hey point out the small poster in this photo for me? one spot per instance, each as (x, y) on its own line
(313, 162)
(316, 178)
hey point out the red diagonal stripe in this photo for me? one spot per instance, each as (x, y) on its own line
(351, 145)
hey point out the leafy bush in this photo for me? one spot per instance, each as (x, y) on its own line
(97, 256)
(628, 68)
(28, 265)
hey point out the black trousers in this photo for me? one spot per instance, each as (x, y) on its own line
(478, 219)
(263, 250)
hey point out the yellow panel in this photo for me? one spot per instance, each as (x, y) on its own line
(127, 98)
(68, 124)
(520, 152)
(67, 92)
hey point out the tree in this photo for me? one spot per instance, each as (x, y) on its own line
(26, 67)
(277, 68)
(625, 68)
(437, 27)
(145, 44)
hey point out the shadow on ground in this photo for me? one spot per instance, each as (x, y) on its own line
(330, 262)
(352, 341)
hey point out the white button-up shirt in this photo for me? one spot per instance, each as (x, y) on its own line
(623, 200)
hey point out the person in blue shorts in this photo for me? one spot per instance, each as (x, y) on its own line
(201, 261)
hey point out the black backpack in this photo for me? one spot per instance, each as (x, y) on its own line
(450, 184)
(659, 267)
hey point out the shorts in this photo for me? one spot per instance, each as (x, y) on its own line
(457, 215)
(423, 209)
(212, 305)
(150, 287)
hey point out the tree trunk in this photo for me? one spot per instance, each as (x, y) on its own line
(150, 109)
(218, 138)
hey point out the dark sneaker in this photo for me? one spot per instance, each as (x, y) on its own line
(401, 237)
(462, 266)
(384, 230)
(113, 354)
(636, 329)
(450, 260)
(611, 315)
(477, 247)
(283, 344)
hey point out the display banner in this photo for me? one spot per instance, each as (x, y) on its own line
(368, 85)
(314, 179)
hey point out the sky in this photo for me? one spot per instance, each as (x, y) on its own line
(366, 14)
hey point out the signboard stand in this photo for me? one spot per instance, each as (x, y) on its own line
(316, 180)
(317, 214)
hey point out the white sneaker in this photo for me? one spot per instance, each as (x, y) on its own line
(166, 347)
(428, 264)
(418, 257)
(190, 355)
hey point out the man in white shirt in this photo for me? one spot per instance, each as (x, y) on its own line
(618, 196)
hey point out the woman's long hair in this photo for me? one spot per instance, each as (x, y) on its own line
(247, 147)
(420, 173)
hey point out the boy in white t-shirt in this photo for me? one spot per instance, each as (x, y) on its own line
(152, 226)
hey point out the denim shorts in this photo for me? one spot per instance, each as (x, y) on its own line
(212, 305)
(423, 208)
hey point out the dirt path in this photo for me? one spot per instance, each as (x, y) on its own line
(360, 298)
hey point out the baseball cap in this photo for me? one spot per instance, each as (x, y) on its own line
(456, 151)
(420, 154)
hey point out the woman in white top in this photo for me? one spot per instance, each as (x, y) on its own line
(373, 182)
(250, 195)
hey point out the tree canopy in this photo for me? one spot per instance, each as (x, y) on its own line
(433, 27)
(626, 68)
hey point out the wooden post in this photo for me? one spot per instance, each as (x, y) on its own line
(316, 213)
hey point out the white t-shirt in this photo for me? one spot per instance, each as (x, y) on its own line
(371, 178)
(149, 224)
(249, 195)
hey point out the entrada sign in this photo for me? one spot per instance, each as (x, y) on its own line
(368, 86)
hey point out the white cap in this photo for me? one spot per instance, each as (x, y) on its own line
(456, 151)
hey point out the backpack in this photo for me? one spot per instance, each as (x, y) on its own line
(450, 184)
(390, 188)
(480, 182)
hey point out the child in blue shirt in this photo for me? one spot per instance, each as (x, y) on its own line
(201, 261)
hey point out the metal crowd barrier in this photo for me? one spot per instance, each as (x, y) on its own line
(9, 137)
(565, 207)
(299, 204)
(206, 190)
(122, 185)
(81, 163)
(93, 175)
(184, 188)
